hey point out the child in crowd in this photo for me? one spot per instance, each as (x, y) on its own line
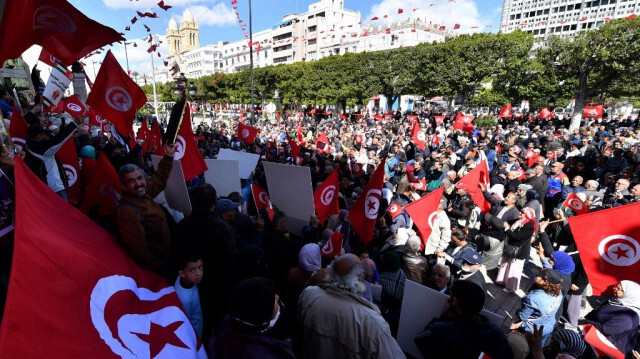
(189, 276)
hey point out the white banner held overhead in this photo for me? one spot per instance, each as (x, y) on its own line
(290, 190)
(224, 176)
(57, 84)
(247, 161)
(176, 189)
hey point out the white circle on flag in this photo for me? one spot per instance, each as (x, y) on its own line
(53, 59)
(418, 185)
(108, 127)
(431, 219)
(181, 148)
(118, 98)
(72, 174)
(593, 113)
(264, 198)
(245, 133)
(18, 142)
(328, 248)
(49, 17)
(619, 250)
(421, 136)
(393, 208)
(356, 168)
(74, 107)
(575, 204)
(372, 203)
(327, 195)
(529, 154)
(99, 119)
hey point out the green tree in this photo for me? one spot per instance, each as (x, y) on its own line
(594, 62)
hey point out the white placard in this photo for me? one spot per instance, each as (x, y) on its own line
(176, 189)
(223, 175)
(420, 305)
(290, 190)
(247, 161)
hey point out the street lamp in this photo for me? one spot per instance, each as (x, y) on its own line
(126, 55)
(180, 85)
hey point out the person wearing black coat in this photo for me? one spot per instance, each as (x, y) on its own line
(516, 250)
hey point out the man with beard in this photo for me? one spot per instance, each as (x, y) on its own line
(141, 222)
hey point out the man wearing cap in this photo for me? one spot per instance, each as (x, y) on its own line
(556, 179)
(470, 270)
(336, 322)
(141, 222)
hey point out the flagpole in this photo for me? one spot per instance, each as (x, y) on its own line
(253, 109)
(153, 72)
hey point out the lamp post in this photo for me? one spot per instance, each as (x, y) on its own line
(153, 72)
(126, 56)
(253, 108)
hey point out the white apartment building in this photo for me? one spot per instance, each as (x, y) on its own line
(562, 17)
(236, 56)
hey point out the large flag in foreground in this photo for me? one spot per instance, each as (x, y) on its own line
(423, 213)
(609, 246)
(53, 24)
(115, 95)
(76, 290)
(364, 213)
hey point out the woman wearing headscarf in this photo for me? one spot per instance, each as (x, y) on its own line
(618, 319)
(516, 249)
(533, 202)
(392, 280)
(308, 272)
(562, 263)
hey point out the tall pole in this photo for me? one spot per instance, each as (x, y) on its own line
(253, 109)
(155, 96)
(126, 56)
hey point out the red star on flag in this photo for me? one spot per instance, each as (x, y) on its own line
(160, 336)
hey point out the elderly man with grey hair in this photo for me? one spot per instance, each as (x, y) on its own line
(439, 278)
(141, 222)
(336, 322)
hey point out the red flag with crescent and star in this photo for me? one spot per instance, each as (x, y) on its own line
(247, 133)
(262, 200)
(418, 136)
(609, 245)
(88, 295)
(322, 143)
(18, 129)
(592, 111)
(187, 150)
(325, 198)
(115, 95)
(333, 247)
(545, 114)
(356, 168)
(68, 155)
(53, 24)
(394, 209)
(506, 111)
(575, 204)
(364, 213)
(74, 106)
(480, 174)
(601, 346)
(424, 211)
(464, 122)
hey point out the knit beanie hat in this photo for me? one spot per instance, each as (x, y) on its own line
(251, 307)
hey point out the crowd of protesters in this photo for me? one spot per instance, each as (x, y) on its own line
(253, 290)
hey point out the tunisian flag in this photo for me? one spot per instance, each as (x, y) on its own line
(470, 181)
(53, 24)
(115, 95)
(156, 138)
(187, 151)
(532, 157)
(247, 133)
(72, 280)
(261, 198)
(96, 119)
(423, 213)
(333, 247)
(418, 136)
(592, 111)
(73, 106)
(575, 204)
(545, 114)
(322, 143)
(299, 136)
(325, 198)
(609, 246)
(506, 111)
(18, 129)
(69, 158)
(464, 122)
(103, 189)
(294, 150)
(601, 346)
(47, 58)
(394, 209)
(365, 212)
